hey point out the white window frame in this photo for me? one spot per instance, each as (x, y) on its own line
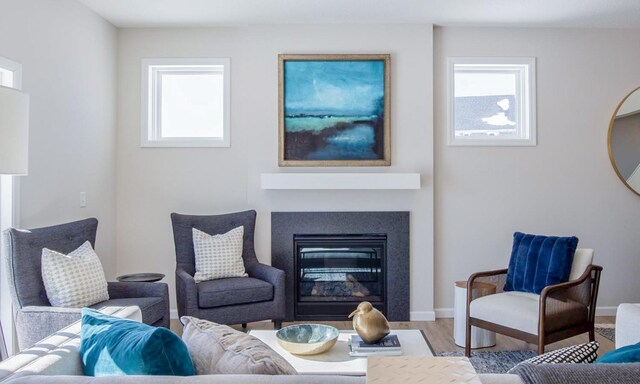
(525, 67)
(9, 217)
(150, 131)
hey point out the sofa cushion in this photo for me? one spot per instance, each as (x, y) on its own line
(219, 349)
(74, 280)
(539, 261)
(233, 290)
(520, 310)
(152, 308)
(111, 346)
(218, 256)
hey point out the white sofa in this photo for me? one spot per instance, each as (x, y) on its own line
(55, 360)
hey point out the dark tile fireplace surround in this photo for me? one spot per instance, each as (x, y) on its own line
(334, 260)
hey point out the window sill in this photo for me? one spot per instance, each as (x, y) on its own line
(186, 143)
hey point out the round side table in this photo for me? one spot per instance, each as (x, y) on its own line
(480, 338)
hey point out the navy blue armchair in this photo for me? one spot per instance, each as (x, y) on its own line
(234, 300)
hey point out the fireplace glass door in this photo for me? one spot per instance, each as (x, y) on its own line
(334, 273)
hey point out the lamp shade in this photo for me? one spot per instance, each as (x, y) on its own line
(14, 132)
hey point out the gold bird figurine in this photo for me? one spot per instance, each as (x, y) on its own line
(369, 323)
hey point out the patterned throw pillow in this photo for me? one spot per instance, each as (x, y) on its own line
(576, 354)
(218, 256)
(220, 349)
(75, 280)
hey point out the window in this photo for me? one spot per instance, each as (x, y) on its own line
(185, 103)
(492, 101)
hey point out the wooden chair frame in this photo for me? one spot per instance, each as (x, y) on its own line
(543, 337)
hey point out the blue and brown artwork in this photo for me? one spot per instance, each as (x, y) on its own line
(333, 111)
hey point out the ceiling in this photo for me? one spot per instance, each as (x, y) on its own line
(524, 13)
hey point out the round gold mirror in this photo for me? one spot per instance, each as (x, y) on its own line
(624, 140)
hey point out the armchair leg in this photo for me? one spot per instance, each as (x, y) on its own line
(244, 325)
(277, 324)
(540, 344)
(467, 337)
(592, 335)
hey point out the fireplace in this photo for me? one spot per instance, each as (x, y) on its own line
(335, 271)
(335, 260)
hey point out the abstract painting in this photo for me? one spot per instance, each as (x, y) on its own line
(334, 110)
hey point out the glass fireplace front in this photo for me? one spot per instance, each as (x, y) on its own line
(335, 273)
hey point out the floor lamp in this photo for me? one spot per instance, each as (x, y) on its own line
(14, 146)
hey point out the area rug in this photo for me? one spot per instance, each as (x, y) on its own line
(608, 331)
(494, 362)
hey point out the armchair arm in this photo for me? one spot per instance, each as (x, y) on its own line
(555, 288)
(477, 275)
(127, 290)
(275, 277)
(267, 273)
(186, 293)
(548, 290)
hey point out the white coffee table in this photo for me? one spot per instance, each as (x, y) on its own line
(337, 361)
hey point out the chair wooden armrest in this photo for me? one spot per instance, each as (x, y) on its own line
(569, 284)
(472, 279)
(496, 272)
(476, 275)
(551, 289)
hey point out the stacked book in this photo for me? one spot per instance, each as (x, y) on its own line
(389, 346)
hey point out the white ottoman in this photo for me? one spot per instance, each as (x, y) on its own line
(627, 321)
(480, 338)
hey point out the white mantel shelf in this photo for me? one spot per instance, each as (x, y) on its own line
(340, 181)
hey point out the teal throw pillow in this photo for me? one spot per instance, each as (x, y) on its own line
(628, 354)
(111, 346)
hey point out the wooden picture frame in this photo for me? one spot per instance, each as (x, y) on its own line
(329, 109)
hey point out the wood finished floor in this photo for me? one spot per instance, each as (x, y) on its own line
(440, 335)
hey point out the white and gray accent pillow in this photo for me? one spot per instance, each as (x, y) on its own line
(75, 280)
(220, 349)
(218, 256)
(576, 354)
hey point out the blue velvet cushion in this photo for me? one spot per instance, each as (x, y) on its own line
(628, 354)
(112, 346)
(539, 261)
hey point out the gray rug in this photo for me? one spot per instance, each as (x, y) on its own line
(494, 362)
(608, 331)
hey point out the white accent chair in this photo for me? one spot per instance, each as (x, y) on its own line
(627, 325)
(560, 311)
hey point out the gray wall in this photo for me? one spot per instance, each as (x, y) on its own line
(153, 182)
(68, 57)
(625, 144)
(563, 186)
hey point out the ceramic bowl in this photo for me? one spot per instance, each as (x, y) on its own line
(307, 339)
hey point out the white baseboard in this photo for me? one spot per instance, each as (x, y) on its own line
(444, 313)
(447, 313)
(422, 316)
(606, 311)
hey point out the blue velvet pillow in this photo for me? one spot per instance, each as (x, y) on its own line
(112, 346)
(628, 354)
(539, 261)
